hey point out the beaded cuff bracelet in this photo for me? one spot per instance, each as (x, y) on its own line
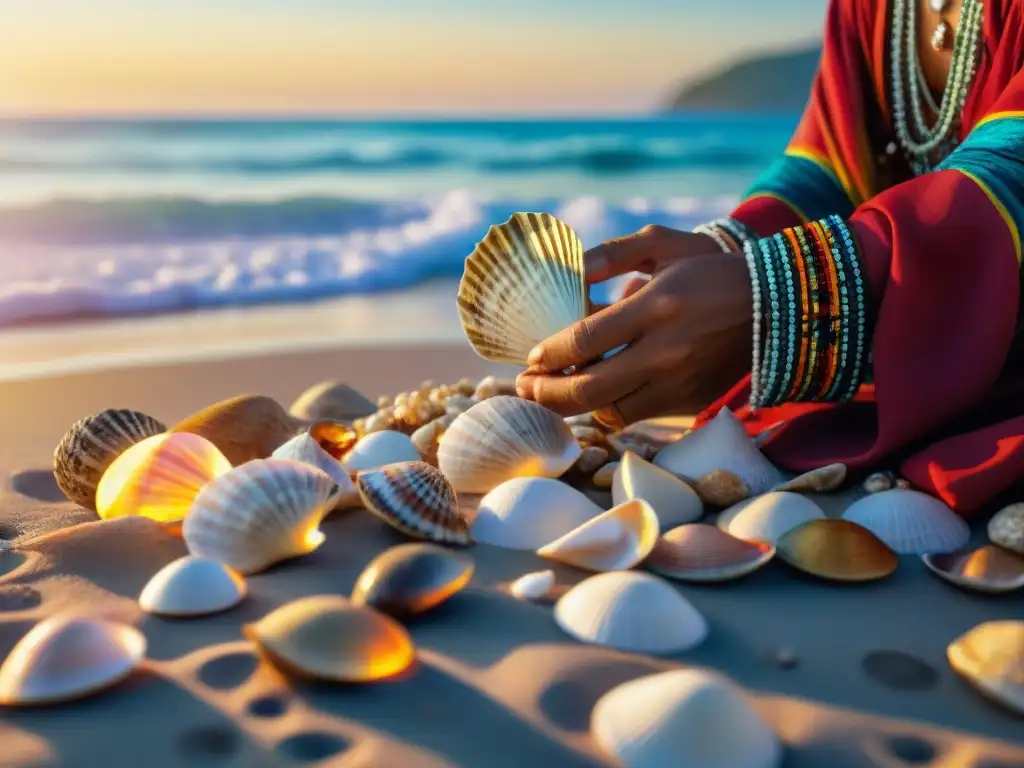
(731, 235)
(810, 315)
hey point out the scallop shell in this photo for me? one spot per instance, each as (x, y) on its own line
(1006, 528)
(699, 552)
(630, 611)
(326, 637)
(160, 477)
(92, 444)
(674, 502)
(910, 522)
(192, 586)
(722, 443)
(412, 578)
(721, 488)
(331, 401)
(529, 512)
(505, 437)
(522, 283)
(820, 480)
(533, 586)
(260, 513)
(246, 427)
(838, 550)
(306, 450)
(614, 540)
(63, 658)
(686, 718)
(416, 499)
(991, 657)
(378, 449)
(769, 517)
(987, 569)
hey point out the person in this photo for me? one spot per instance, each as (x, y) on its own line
(874, 269)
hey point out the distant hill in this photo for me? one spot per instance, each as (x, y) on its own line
(777, 82)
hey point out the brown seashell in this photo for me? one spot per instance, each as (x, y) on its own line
(991, 657)
(821, 480)
(333, 401)
(591, 459)
(879, 481)
(412, 578)
(1006, 528)
(335, 438)
(838, 550)
(721, 488)
(986, 569)
(705, 553)
(605, 476)
(244, 428)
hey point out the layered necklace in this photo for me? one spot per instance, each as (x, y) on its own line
(926, 145)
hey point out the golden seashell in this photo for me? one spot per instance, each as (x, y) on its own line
(244, 428)
(334, 438)
(991, 657)
(989, 569)
(721, 488)
(838, 550)
(615, 540)
(412, 578)
(821, 480)
(331, 400)
(705, 553)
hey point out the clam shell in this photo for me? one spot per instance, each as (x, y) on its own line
(331, 401)
(1006, 528)
(821, 480)
(92, 444)
(987, 569)
(63, 658)
(306, 450)
(246, 427)
(529, 512)
(686, 718)
(630, 611)
(260, 513)
(378, 449)
(769, 517)
(160, 477)
(522, 283)
(910, 522)
(838, 550)
(416, 499)
(192, 586)
(412, 578)
(721, 488)
(326, 637)
(991, 657)
(505, 437)
(699, 552)
(674, 502)
(533, 586)
(617, 539)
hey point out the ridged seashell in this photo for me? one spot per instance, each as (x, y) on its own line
(991, 657)
(821, 480)
(721, 488)
(379, 449)
(416, 499)
(674, 502)
(92, 444)
(769, 517)
(192, 586)
(522, 283)
(722, 443)
(336, 439)
(331, 401)
(630, 611)
(605, 476)
(63, 658)
(412, 578)
(533, 586)
(838, 550)
(326, 637)
(160, 477)
(614, 540)
(246, 427)
(529, 512)
(505, 437)
(989, 569)
(260, 513)
(910, 522)
(1006, 528)
(685, 718)
(706, 553)
(306, 450)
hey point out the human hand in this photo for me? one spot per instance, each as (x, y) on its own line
(648, 250)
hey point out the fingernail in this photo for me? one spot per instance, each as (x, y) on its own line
(596, 260)
(535, 357)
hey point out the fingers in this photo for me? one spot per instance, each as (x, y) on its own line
(633, 285)
(637, 252)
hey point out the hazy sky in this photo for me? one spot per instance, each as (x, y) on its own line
(376, 56)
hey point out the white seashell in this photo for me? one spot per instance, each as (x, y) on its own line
(617, 539)
(523, 283)
(192, 586)
(722, 443)
(260, 513)
(379, 449)
(820, 480)
(532, 586)
(910, 522)
(630, 611)
(674, 502)
(68, 657)
(769, 517)
(505, 437)
(685, 718)
(991, 657)
(529, 512)
(305, 449)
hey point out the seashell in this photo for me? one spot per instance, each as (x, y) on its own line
(721, 488)
(412, 578)
(244, 428)
(505, 437)
(533, 586)
(92, 444)
(878, 482)
(416, 499)
(334, 438)
(769, 517)
(192, 586)
(331, 401)
(991, 657)
(426, 438)
(838, 550)
(64, 658)
(380, 449)
(492, 386)
(260, 513)
(529, 512)
(458, 403)
(821, 480)
(987, 569)
(160, 477)
(630, 611)
(617, 539)
(327, 637)
(705, 553)
(674, 502)
(1006, 528)
(591, 459)
(910, 522)
(306, 450)
(722, 443)
(589, 435)
(605, 476)
(687, 718)
(522, 283)
(581, 420)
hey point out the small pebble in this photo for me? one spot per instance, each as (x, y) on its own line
(582, 420)
(879, 481)
(603, 476)
(591, 459)
(588, 435)
(786, 658)
(383, 401)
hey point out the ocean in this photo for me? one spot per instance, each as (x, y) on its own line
(129, 217)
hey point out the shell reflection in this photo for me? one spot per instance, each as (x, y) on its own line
(412, 578)
(987, 569)
(700, 552)
(838, 550)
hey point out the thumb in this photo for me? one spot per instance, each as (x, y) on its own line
(637, 252)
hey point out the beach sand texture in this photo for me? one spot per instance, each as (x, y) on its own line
(496, 683)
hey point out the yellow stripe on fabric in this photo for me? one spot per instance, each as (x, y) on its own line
(772, 195)
(843, 174)
(998, 116)
(998, 205)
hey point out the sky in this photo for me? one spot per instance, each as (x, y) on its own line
(376, 57)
